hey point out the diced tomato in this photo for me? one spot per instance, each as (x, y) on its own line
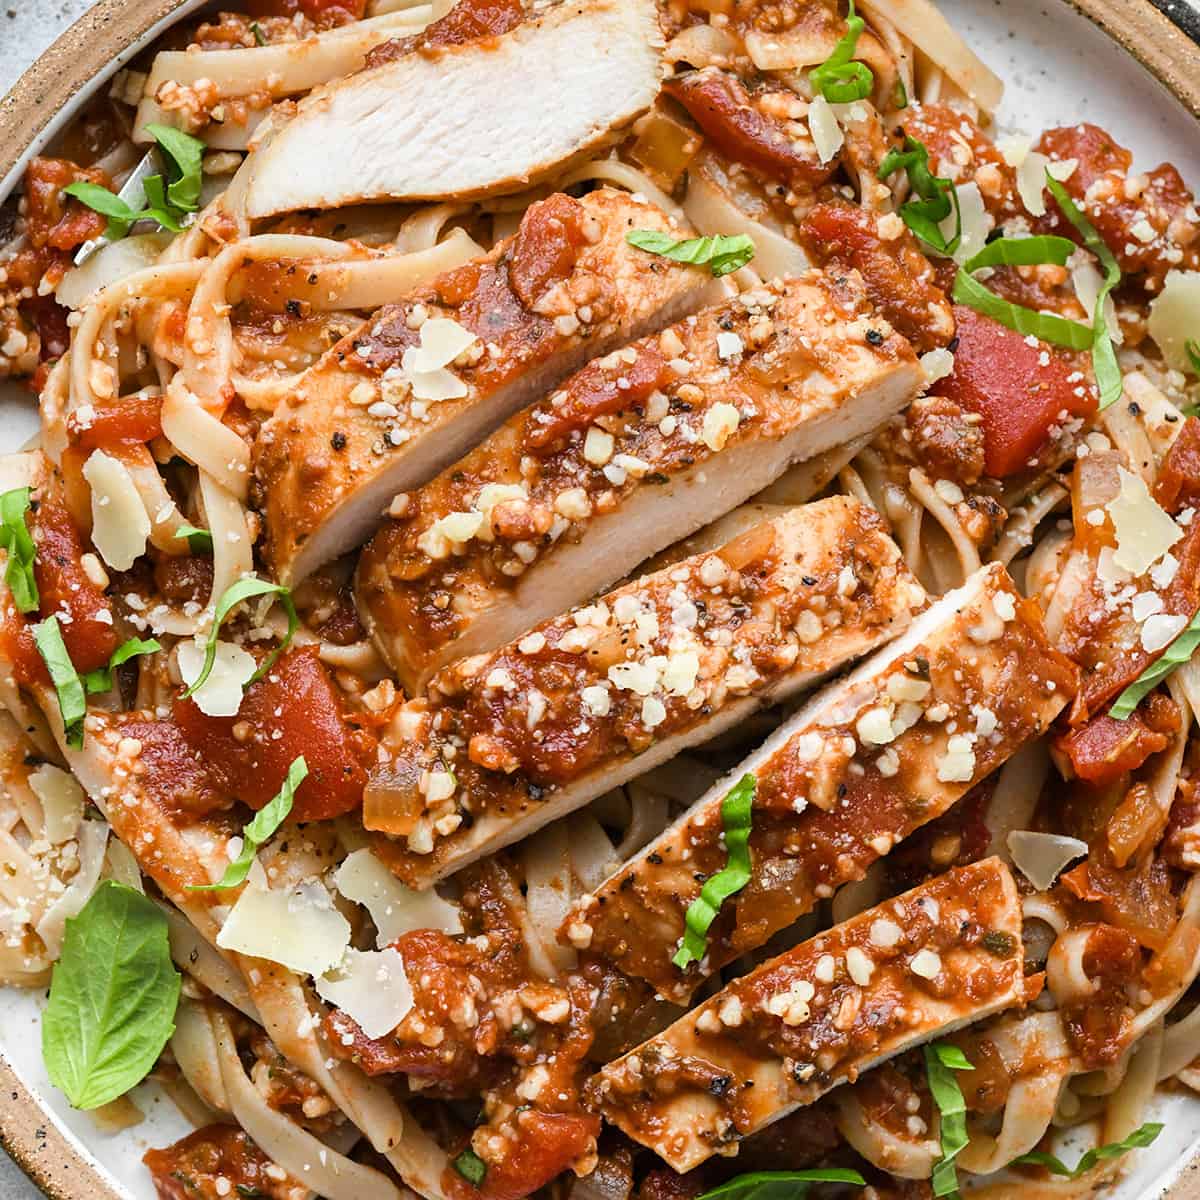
(546, 246)
(1178, 482)
(1021, 390)
(62, 223)
(1099, 1026)
(1104, 749)
(212, 1163)
(547, 1145)
(50, 319)
(170, 770)
(293, 710)
(471, 20)
(720, 104)
(324, 14)
(128, 421)
(85, 613)
(898, 277)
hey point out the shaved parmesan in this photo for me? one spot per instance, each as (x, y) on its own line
(1014, 148)
(1175, 316)
(823, 125)
(1041, 857)
(1087, 282)
(395, 908)
(976, 224)
(221, 693)
(1144, 531)
(442, 341)
(370, 987)
(1031, 183)
(120, 524)
(299, 929)
(62, 802)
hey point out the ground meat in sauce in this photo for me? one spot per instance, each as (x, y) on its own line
(947, 440)
(1098, 1025)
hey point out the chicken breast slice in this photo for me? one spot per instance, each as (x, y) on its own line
(859, 768)
(375, 416)
(908, 971)
(487, 115)
(506, 742)
(636, 451)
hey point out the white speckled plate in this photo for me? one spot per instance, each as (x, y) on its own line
(1059, 67)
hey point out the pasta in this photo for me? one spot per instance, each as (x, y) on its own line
(665, 654)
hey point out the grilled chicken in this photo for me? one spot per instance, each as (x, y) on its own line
(591, 699)
(558, 84)
(911, 969)
(636, 451)
(426, 378)
(928, 717)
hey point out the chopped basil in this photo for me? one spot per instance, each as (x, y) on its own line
(779, 1185)
(941, 1061)
(899, 94)
(736, 813)
(266, 821)
(719, 253)
(1058, 331)
(199, 540)
(1175, 655)
(101, 679)
(1023, 252)
(167, 203)
(19, 545)
(72, 699)
(839, 79)
(471, 1167)
(112, 997)
(936, 197)
(1192, 349)
(260, 38)
(1104, 355)
(246, 589)
(1139, 1138)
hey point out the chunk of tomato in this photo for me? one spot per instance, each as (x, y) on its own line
(1020, 386)
(293, 710)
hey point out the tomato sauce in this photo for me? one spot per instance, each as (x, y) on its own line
(190, 1168)
(126, 421)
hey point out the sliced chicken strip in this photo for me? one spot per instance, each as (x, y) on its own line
(423, 380)
(909, 970)
(560, 83)
(506, 742)
(636, 451)
(861, 766)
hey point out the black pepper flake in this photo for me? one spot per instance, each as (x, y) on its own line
(808, 580)
(874, 337)
(338, 441)
(293, 308)
(719, 1086)
(952, 344)
(655, 858)
(534, 792)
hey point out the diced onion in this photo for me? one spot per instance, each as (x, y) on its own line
(1041, 857)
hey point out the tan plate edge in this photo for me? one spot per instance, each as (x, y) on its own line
(41, 1149)
(86, 49)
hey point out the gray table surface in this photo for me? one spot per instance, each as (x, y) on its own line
(27, 27)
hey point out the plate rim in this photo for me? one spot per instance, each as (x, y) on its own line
(44, 97)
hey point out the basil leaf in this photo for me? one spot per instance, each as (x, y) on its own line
(736, 813)
(941, 1061)
(260, 38)
(838, 79)
(936, 196)
(719, 253)
(185, 155)
(246, 589)
(779, 1185)
(1192, 349)
(72, 700)
(266, 821)
(101, 679)
(112, 997)
(1022, 252)
(1138, 1139)
(157, 205)
(1059, 331)
(19, 545)
(109, 204)
(471, 1167)
(199, 540)
(1175, 655)
(899, 94)
(1104, 355)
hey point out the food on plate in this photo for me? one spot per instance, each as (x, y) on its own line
(605, 607)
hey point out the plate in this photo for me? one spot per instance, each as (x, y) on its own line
(1059, 66)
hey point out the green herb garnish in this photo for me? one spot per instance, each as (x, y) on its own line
(246, 589)
(1175, 655)
(19, 545)
(260, 38)
(719, 253)
(199, 540)
(101, 679)
(266, 821)
(112, 997)
(936, 196)
(941, 1061)
(736, 810)
(72, 699)
(779, 1185)
(471, 1167)
(1192, 349)
(839, 79)
(1138, 1139)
